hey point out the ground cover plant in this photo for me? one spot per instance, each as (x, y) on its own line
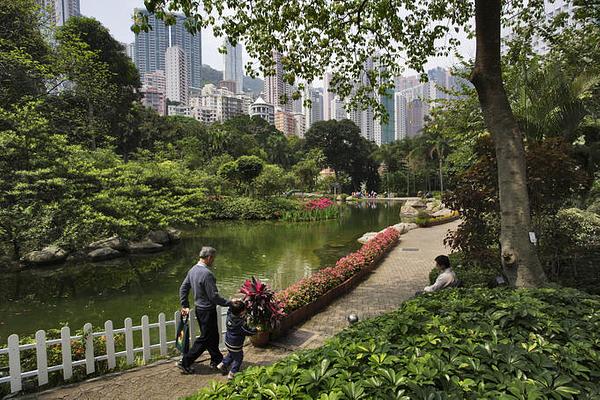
(454, 344)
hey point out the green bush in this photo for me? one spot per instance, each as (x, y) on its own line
(422, 218)
(473, 270)
(570, 249)
(455, 344)
(250, 208)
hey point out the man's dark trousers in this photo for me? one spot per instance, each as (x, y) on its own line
(208, 339)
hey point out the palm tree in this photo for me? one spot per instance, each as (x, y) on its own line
(552, 103)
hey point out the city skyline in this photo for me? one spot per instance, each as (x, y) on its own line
(116, 16)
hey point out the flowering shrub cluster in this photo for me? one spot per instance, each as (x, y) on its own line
(314, 210)
(311, 288)
(319, 204)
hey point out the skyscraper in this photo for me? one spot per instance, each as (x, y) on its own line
(233, 66)
(151, 46)
(176, 75)
(388, 129)
(192, 47)
(314, 113)
(327, 97)
(276, 88)
(60, 10)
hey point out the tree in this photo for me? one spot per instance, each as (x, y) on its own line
(345, 150)
(24, 55)
(311, 35)
(107, 81)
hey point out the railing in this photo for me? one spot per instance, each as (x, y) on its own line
(14, 349)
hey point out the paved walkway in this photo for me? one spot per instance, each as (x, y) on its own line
(404, 271)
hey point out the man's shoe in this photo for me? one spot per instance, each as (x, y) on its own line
(230, 375)
(221, 367)
(184, 369)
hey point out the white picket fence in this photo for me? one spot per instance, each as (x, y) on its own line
(14, 349)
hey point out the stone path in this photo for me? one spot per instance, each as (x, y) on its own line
(404, 271)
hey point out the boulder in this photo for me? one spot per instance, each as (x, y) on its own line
(367, 236)
(411, 226)
(402, 228)
(145, 246)
(77, 256)
(442, 213)
(104, 253)
(174, 234)
(48, 255)
(113, 242)
(160, 237)
(408, 211)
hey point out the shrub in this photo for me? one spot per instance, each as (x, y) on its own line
(249, 207)
(570, 248)
(311, 288)
(454, 344)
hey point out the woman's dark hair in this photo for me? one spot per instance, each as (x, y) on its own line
(443, 261)
(237, 306)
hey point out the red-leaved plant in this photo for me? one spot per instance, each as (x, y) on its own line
(263, 309)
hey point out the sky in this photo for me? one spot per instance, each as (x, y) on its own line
(116, 16)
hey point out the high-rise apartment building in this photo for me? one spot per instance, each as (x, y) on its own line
(277, 91)
(552, 8)
(155, 79)
(217, 105)
(176, 75)
(151, 46)
(285, 122)
(234, 70)
(154, 90)
(154, 99)
(387, 129)
(192, 47)
(314, 112)
(327, 97)
(60, 10)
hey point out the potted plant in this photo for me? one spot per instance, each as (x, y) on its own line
(264, 311)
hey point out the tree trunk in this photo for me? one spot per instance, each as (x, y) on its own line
(441, 177)
(519, 258)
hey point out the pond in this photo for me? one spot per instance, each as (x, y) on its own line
(278, 252)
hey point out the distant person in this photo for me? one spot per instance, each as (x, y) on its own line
(446, 278)
(206, 298)
(237, 330)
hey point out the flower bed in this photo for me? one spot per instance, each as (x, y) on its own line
(314, 210)
(309, 295)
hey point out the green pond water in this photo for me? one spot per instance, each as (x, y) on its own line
(277, 252)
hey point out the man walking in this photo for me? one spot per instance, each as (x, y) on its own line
(206, 298)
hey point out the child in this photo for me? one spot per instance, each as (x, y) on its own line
(237, 330)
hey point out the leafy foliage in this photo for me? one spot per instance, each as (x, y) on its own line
(345, 150)
(454, 344)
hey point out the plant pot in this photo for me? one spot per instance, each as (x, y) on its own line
(261, 339)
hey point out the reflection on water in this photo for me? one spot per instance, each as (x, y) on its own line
(278, 252)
